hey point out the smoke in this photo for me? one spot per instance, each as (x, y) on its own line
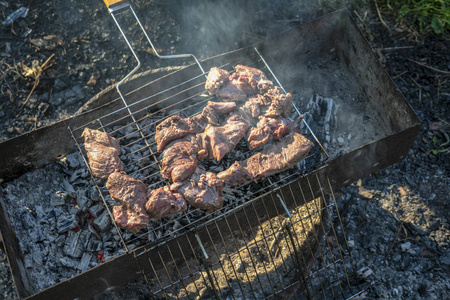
(214, 27)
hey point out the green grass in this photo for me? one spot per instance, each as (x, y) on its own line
(426, 15)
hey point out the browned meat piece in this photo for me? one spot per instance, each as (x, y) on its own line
(180, 159)
(255, 78)
(176, 127)
(103, 152)
(202, 190)
(280, 156)
(129, 219)
(132, 194)
(268, 129)
(236, 174)
(162, 202)
(275, 158)
(253, 106)
(280, 102)
(215, 80)
(213, 110)
(236, 89)
(219, 140)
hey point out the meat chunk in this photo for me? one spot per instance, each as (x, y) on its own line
(180, 159)
(176, 127)
(275, 158)
(236, 174)
(132, 194)
(280, 102)
(219, 140)
(253, 105)
(215, 80)
(268, 129)
(203, 190)
(162, 202)
(103, 152)
(245, 82)
(236, 89)
(213, 110)
(129, 219)
(255, 78)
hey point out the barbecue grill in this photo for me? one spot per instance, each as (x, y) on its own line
(280, 237)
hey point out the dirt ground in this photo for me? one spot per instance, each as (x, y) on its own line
(63, 52)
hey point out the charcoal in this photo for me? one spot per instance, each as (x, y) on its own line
(74, 160)
(102, 222)
(66, 223)
(72, 245)
(94, 245)
(69, 189)
(59, 241)
(37, 256)
(82, 201)
(85, 261)
(94, 232)
(27, 219)
(68, 262)
(80, 173)
(96, 210)
(73, 210)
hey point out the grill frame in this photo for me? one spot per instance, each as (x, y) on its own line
(38, 148)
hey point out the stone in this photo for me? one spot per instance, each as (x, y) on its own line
(56, 99)
(59, 84)
(405, 246)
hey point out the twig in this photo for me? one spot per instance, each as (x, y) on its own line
(399, 75)
(381, 19)
(395, 48)
(399, 227)
(426, 66)
(36, 76)
(359, 17)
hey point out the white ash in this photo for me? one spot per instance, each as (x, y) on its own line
(59, 221)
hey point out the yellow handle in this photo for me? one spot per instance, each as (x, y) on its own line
(110, 3)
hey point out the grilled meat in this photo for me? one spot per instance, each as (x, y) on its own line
(132, 194)
(236, 89)
(203, 190)
(255, 78)
(215, 80)
(254, 105)
(268, 129)
(275, 158)
(280, 102)
(103, 152)
(219, 140)
(245, 82)
(214, 110)
(180, 159)
(129, 219)
(176, 127)
(236, 174)
(162, 202)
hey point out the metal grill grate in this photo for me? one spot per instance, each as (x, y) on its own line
(134, 126)
(232, 257)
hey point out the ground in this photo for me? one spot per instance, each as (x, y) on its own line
(397, 220)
